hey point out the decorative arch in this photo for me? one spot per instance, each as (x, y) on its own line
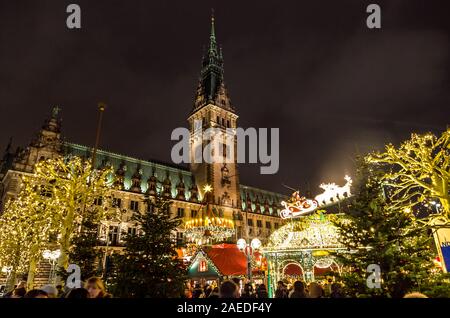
(293, 263)
(333, 265)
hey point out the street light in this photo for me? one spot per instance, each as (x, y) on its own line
(437, 205)
(248, 249)
(52, 257)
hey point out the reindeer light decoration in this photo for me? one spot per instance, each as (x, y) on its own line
(299, 206)
(334, 193)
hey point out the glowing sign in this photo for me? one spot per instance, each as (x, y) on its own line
(297, 207)
(334, 193)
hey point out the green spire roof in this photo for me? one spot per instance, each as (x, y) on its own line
(211, 87)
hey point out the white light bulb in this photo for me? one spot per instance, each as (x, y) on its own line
(256, 243)
(241, 244)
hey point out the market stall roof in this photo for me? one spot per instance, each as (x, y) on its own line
(227, 258)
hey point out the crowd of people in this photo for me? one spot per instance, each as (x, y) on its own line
(232, 289)
(94, 288)
(298, 289)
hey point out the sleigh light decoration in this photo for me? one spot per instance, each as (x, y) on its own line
(299, 206)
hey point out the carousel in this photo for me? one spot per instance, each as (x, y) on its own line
(305, 247)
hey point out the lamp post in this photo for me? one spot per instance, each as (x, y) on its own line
(248, 249)
(52, 257)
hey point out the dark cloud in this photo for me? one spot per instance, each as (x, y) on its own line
(311, 68)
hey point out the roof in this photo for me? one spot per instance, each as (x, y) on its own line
(146, 168)
(257, 196)
(228, 259)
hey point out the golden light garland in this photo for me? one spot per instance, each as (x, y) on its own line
(208, 229)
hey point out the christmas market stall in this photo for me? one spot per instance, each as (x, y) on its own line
(302, 250)
(218, 262)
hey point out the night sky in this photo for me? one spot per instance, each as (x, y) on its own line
(311, 68)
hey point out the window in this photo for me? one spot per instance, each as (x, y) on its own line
(193, 213)
(223, 122)
(180, 213)
(218, 120)
(250, 222)
(98, 201)
(150, 208)
(180, 238)
(131, 231)
(268, 225)
(275, 225)
(225, 150)
(202, 266)
(134, 206)
(113, 235)
(228, 124)
(258, 223)
(117, 203)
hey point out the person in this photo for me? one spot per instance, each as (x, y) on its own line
(79, 293)
(415, 295)
(207, 291)
(228, 289)
(36, 293)
(22, 284)
(261, 292)
(336, 291)
(60, 290)
(298, 290)
(281, 291)
(197, 292)
(214, 293)
(248, 291)
(18, 292)
(187, 290)
(96, 288)
(315, 290)
(237, 281)
(51, 291)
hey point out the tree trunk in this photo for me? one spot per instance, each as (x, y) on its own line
(11, 280)
(31, 274)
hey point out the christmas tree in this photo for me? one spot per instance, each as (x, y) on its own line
(375, 233)
(149, 266)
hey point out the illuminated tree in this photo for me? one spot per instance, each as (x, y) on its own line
(52, 203)
(24, 231)
(375, 233)
(75, 190)
(418, 170)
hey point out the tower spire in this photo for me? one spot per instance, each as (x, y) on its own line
(211, 88)
(212, 38)
(213, 31)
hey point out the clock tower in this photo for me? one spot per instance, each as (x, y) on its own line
(213, 109)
